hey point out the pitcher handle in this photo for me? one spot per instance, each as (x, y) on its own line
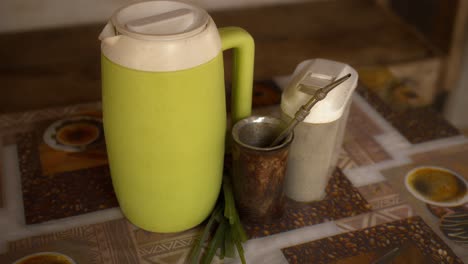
(242, 78)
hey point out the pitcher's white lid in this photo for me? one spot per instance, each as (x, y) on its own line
(160, 20)
(311, 75)
(160, 36)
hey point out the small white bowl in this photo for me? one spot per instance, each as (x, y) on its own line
(452, 203)
(51, 139)
(70, 260)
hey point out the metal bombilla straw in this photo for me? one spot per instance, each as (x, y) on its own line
(304, 110)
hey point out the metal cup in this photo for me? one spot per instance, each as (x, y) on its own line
(259, 170)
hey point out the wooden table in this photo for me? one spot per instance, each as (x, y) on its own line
(59, 67)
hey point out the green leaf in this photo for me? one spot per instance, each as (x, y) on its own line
(240, 250)
(230, 207)
(196, 250)
(215, 243)
(229, 234)
(222, 252)
(229, 247)
(239, 229)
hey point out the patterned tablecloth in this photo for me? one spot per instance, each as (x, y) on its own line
(48, 206)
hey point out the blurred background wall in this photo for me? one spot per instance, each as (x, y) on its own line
(21, 15)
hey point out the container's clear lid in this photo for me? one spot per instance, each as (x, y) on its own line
(312, 75)
(160, 20)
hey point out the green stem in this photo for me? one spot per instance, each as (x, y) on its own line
(229, 246)
(228, 201)
(240, 250)
(215, 243)
(240, 229)
(195, 254)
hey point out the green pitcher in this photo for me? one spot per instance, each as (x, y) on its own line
(164, 109)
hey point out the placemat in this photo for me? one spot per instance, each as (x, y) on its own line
(417, 240)
(111, 242)
(392, 98)
(359, 141)
(14, 123)
(452, 157)
(56, 184)
(342, 200)
(108, 242)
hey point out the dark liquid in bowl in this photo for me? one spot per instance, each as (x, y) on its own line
(45, 259)
(437, 185)
(77, 134)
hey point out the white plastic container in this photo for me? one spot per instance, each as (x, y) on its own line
(318, 139)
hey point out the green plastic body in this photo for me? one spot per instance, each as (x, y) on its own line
(165, 135)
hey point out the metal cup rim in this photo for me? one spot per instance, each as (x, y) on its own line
(259, 119)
